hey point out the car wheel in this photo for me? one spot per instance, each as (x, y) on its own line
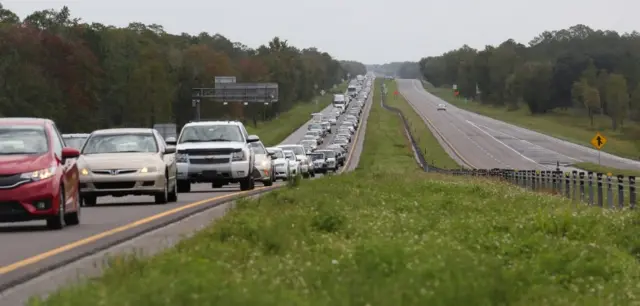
(247, 183)
(173, 195)
(184, 186)
(74, 217)
(216, 185)
(268, 182)
(57, 221)
(161, 198)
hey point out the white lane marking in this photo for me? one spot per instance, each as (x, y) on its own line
(421, 113)
(504, 144)
(532, 144)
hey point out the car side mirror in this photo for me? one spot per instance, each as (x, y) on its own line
(273, 156)
(170, 141)
(170, 150)
(68, 152)
(253, 138)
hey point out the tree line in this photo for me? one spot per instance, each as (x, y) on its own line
(87, 76)
(593, 71)
(403, 70)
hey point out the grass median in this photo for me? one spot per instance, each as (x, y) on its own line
(564, 125)
(275, 131)
(433, 152)
(387, 234)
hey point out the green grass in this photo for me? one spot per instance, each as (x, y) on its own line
(431, 148)
(567, 125)
(275, 131)
(602, 169)
(388, 234)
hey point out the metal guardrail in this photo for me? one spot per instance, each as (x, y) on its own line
(588, 187)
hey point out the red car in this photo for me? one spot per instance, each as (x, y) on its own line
(39, 178)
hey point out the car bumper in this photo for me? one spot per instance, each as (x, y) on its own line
(228, 172)
(30, 201)
(121, 185)
(281, 171)
(262, 172)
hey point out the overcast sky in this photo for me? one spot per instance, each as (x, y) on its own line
(369, 31)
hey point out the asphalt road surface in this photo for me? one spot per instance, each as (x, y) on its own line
(482, 142)
(29, 249)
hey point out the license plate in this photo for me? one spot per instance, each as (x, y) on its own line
(209, 173)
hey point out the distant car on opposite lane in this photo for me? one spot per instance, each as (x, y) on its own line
(442, 107)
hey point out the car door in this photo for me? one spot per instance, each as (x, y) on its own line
(169, 159)
(70, 176)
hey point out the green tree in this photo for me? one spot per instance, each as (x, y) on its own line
(618, 99)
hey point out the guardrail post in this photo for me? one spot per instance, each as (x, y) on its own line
(600, 200)
(609, 192)
(533, 180)
(574, 180)
(545, 179)
(553, 181)
(567, 185)
(582, 187)
(590, 176)
(632, 192)
(620, 191)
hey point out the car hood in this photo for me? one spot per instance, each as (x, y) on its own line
(12, 164)
(119, 160)
(279, 161)
(211, 145)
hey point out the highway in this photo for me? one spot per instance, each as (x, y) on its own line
(29, 249)
(478, 141)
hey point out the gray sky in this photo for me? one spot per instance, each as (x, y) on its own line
(369, 31)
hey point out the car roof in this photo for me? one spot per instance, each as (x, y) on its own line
(123, 131)
(75, 135)
(25, 120)
(214, 122)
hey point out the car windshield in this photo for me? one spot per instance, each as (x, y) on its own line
(329, 154)
(307, 142)
(278, 154)
(74, 142)
(23, 139)
(120, 143)
(207, 133)
(315, 126)
(316, 156)
(289, 156)
(297, 150)
(341, 140)
(257, 148)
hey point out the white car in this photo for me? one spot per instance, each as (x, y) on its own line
(294, 164)
(441, 106)
(306, 165)
(310, 143)
(282, 166)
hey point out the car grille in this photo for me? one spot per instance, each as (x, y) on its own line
(11, 180)
(114, 185)
(11, 208)
(202, 152)
(208, 161)
(117, 171)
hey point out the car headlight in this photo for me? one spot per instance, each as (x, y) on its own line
(265, 163)
(39, 175)
(84, 171)
(238, 156)
(148, 170)
(182, 158)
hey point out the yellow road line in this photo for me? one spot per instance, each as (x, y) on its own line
(111, 232)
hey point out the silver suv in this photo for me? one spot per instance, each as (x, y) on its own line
(216, 152)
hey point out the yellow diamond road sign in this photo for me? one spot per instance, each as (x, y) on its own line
(598, 141)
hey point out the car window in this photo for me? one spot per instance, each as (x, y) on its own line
(120, 143)
(329, 154)
(257, 148)
(24, 139)
(297, 150)
(278, 154)
(214, 132)
(74, 142)
(58, 142)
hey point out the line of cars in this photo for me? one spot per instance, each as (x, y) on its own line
(45, 175)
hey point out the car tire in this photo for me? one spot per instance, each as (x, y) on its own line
(184, 186)
(161, 198)
(74, 217)
(247, 183)
(89, 200)
(57, 222)
(173, 195)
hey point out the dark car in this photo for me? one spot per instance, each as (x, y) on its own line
(39, 178)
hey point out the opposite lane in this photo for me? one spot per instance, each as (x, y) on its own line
(489, 143)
